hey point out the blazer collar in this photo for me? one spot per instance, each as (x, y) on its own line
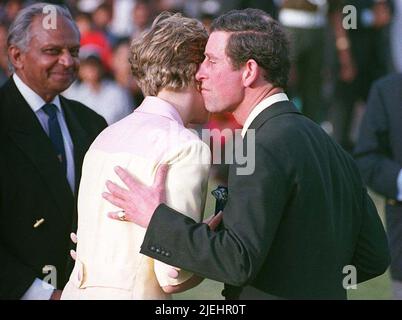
(266, 103)
(273, 111)
(20, 117)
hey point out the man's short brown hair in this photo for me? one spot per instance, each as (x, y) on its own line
(168, 54)
(255, 35)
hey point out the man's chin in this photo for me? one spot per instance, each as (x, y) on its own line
(212, 106)
(62, 86)
(212, 109)
(208, 106)
(62, 79)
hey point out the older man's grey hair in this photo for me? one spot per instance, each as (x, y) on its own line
(19, 33)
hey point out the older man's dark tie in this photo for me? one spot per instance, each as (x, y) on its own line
(55, 134)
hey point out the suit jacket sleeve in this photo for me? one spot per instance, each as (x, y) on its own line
(234, 254)
(371, 256)
(373, 152)
(186, 187)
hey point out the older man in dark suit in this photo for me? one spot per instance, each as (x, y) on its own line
(43, 139)
(298, 224)
(379, 156)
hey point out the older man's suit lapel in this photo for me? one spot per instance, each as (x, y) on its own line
(27, 133)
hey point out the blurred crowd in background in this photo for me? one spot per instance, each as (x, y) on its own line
(331, 74)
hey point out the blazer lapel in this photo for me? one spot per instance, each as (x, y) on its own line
(27, 133)
(272, 111)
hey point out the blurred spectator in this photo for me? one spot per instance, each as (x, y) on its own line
(170, 5)
(102, 18)
(10, 11)
(379, 156)
(306, 22)
(121, 25)
(88, 6)
(371, 37)
(94, 40)
(122, 71)
(142, 16)
(103, 96)
(208, 11)
(369, 46)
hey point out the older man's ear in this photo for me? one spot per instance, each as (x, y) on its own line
(15, 56)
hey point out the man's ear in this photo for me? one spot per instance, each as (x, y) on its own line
(16, 57)
(251, 72)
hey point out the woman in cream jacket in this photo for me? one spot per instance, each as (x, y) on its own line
(108, 263)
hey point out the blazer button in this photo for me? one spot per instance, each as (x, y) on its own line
(38, 222)
(167, 254)
(158, 250)
(152, 248)
(163, 252)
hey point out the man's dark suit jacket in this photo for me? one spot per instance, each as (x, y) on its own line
(291, 227)
(379, 156)
(33, 186)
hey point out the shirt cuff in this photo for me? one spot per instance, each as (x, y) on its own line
(399, 185)
(39, 290)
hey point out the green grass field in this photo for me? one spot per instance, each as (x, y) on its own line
(375, 289)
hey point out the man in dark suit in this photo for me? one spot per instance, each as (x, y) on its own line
(43, 139)
(301, 225)
(378, 154)
(370, 35)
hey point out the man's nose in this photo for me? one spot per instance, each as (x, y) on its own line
(66, 59)
(200, 75)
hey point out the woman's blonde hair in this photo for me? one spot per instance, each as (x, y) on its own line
(168, 54)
